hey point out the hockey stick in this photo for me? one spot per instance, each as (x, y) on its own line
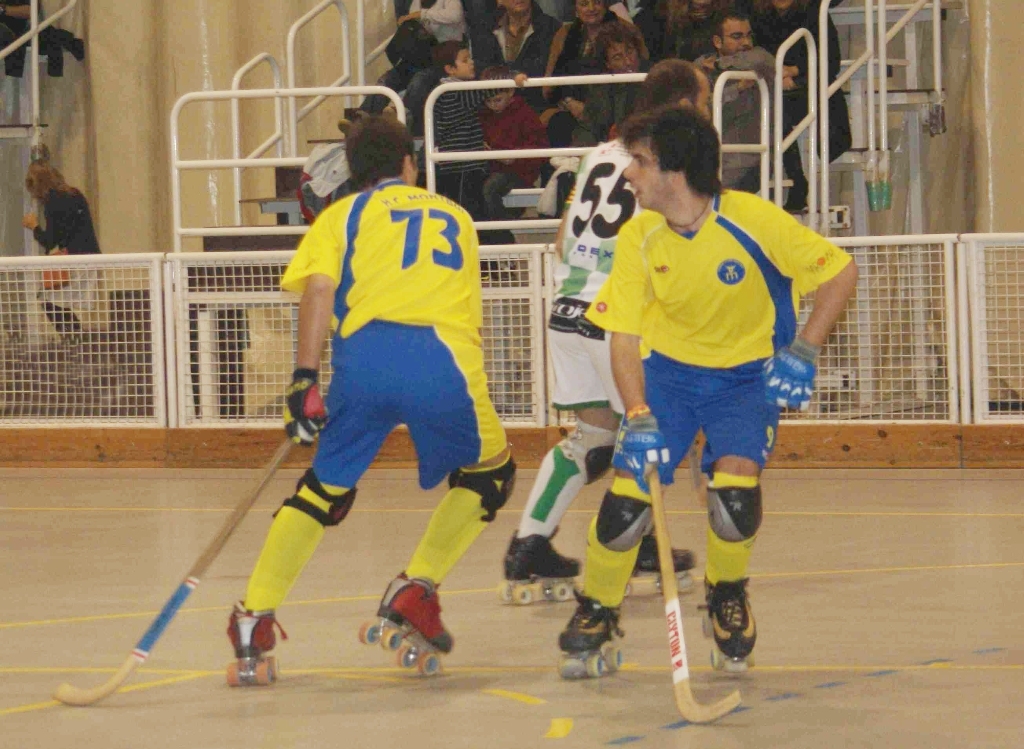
(72, 695)
(689, 708)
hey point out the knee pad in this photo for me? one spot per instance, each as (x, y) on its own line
(591, 448)
(494, 485)
(622, 522)
(340, 503)
(734, 512)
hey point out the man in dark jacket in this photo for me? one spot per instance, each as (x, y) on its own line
(520, 38)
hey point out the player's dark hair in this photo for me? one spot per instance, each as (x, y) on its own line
(375, 148)
(729, 14)
(682, 141)
(667, 82)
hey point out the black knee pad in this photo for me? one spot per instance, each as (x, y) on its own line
(486, 483)
(340, 503)
(734, 512)
(622, 521)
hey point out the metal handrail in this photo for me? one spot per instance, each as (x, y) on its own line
(236, 137)
(178, 165)
(433, 156)
(33, 34)
(781, 144)
(296, 116)
(764, 146)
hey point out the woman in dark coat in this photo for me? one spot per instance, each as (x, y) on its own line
(69, 231)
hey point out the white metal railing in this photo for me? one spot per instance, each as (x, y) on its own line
(433, 156)
(277, 139)
(807, 123)
(935, 333)
(763, 146)
(992, 273)
(295, 116)
(32, 36)
(178, 165)
(82, 341)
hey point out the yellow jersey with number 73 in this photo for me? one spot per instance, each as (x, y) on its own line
(398, 254)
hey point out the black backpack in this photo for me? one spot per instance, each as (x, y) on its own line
(411, 45)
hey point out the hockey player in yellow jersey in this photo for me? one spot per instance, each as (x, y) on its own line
(701, 305)
(393, 273)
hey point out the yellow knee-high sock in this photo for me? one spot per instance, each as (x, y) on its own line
(291, 541)
(728, 560)
(453, 528)
(607, 572)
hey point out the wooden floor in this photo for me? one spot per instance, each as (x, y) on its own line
(890, 608)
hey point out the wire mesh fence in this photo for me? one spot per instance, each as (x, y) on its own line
(995, 271)
(892, 355)
(82, 341)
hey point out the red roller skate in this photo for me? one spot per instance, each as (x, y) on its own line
(409, 623)
(252, 636)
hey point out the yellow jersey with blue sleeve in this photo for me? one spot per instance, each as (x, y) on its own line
(721, 297)
(398, 254)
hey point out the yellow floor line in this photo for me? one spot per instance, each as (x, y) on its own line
(96, 670)
(517, 696)
(165, 682)
(29, 708)
(559, 729)
(929, 568)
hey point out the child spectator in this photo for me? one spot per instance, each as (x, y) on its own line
(457, 128)
(509, 122)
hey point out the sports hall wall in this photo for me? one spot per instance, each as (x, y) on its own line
(109, 133)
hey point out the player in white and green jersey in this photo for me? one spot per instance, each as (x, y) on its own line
(600, 204)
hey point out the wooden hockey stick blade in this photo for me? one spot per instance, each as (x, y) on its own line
(688, 707)
(72, 695)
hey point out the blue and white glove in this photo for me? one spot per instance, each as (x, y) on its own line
(789, 375)
(638, 444)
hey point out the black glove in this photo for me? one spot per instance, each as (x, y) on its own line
(304, 413)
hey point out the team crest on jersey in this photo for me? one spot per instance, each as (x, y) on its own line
(731, 272)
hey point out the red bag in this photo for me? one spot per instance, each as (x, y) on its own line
(56, 279)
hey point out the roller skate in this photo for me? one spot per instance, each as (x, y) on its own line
(252, 636)
(534, 571)
(409, 623)
(647, 572)
(730, 621)
(590, 642)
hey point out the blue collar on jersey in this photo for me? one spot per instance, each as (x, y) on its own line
(387, 183)
(716, 203)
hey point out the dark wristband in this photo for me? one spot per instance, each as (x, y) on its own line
(305, 374)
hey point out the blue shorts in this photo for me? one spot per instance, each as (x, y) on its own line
(386, 374)
(728, 404)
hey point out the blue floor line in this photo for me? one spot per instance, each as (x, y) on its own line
(625, 740)
(933, 661)
(829, 685)
(885, 672)
(986, 651)
(781, 697)
(678, 724)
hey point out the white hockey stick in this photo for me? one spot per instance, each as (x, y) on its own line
(72, 695)
(689, 708)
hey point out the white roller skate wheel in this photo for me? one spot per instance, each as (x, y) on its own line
(369, 633)
(705, 626)
(735, 666)
(524, 595)
(390, 638)
(628, 591)
(612, 657)
(683, 581)
(571, 667)
(407, 656)
(657, 583)
(428, 664)
(596, 666)
(562, 592)
(505, 592)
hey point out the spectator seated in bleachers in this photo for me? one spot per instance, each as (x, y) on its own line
(774, 21)
(509, 123)
(53, 42)
(741, 100)
(520, 36)
(574, 52)
(679, 28)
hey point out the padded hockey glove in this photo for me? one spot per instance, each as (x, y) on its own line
(304, 413)
(639, 443)
(789, 375)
